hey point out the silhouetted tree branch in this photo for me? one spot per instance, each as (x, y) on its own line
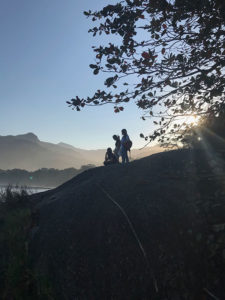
(174, 50)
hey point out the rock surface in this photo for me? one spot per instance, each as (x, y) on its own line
(87, 249)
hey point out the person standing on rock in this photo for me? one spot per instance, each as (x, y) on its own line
(125, 146)
(117, 146)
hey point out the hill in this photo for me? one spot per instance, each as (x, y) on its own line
(171, 247)
(27, 152)
(39, 178)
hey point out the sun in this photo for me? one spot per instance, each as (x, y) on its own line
(191, 120)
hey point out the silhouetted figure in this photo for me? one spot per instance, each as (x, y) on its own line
(110, 158)
(125, 146)
(117, 146)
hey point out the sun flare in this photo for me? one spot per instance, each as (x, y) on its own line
(191, 120)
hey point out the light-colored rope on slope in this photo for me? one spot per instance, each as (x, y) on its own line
(210, 294)
(133, 231)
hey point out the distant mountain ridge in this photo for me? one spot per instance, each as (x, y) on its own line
(28, 136)
(26, 151)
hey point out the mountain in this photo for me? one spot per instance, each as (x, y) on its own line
(26, 151)
(151, 229)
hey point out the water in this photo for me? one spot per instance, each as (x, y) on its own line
(30, 190)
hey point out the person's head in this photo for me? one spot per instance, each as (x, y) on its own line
(124, 132)
(109, 150)
(115, 137)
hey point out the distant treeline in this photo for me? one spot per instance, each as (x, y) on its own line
(40, 178)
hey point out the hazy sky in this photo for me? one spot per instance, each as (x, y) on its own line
(45, 52)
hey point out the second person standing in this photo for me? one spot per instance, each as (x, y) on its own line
(125, 146)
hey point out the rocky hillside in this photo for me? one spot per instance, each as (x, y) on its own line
(152, 229)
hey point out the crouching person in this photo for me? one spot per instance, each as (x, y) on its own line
(110, 158)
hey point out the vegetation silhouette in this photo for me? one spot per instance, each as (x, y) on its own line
(17, 220)
(170, 60)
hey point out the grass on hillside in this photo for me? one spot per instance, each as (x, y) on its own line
(17, 279)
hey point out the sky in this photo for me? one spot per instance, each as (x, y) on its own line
(45, 52)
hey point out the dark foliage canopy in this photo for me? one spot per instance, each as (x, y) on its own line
(174, 52)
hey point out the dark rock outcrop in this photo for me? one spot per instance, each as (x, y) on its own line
(175, 202)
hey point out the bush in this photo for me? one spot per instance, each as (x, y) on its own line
(14, 197)
(18, 280)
